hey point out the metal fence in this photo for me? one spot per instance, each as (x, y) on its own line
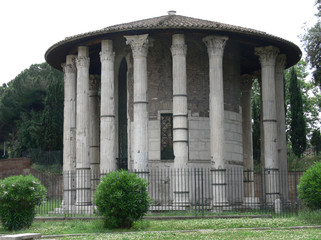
(197, 191)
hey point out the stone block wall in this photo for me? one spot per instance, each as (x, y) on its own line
(199, 142)
(199, 139)
(14, 166)
(233, 139)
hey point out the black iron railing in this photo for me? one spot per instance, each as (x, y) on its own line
(189, 191)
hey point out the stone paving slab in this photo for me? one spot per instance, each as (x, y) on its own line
(21, 236)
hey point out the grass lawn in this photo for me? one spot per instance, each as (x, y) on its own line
(194, 228)
(218, 234)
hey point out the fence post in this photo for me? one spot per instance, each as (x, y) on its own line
(295, 193)
(262, 188)
(202, 193)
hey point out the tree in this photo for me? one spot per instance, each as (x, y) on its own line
(297, 125)
(25, 103)
(52, 116)
(312, 45)
(316, 141)
(310, 94)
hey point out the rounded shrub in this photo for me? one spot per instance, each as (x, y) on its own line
(19, 196)
(309, 188)
(122, 198)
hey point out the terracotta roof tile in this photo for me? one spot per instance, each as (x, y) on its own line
(169, 22)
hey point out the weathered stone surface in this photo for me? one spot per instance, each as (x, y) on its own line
(167, 72)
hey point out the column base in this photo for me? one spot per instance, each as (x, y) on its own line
(181, 199)
(218, 207)
(142, 174)
(73, 209)
(251, 202)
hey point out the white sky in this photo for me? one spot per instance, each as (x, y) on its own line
(29, 27)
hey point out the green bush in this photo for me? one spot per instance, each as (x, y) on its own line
(122, 198)
(19, 196)
(309, 188)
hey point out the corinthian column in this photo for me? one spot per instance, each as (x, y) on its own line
(282, 153)
(107, 112)
(69, 151)
(267, 57)
(139, 46)
(247, 81)
(83, 194)
(180, 130)
(94, 132)
(215, 47)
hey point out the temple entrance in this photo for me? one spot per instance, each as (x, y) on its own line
(122, 160)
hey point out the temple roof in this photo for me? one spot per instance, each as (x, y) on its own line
(171, 22)
(176, 23)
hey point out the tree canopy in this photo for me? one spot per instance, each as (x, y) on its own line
(312, 45)
(26, 103)
(297, 125)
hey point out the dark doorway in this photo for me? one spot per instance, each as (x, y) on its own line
(122, 160)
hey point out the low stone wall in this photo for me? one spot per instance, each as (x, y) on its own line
(14, 166)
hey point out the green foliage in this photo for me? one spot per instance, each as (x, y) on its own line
(316, 141)
(31, 110)
(312, 45)
(311, 98)
(19, 196)
(28, 131)
(309, 188)
(122, 198)
(52, 116)
(297, 125)
(302, 164)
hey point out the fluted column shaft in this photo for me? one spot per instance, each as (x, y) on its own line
(94, 132)
(69, 134)
(139, 46)
(215, 47)
(180, 127)
(267, 57)
(107, 112)
(247, 121)
(281, 131)
(83, 194)
(247, 81)
(70, 75)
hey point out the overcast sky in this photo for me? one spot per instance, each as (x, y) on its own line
(29, 27)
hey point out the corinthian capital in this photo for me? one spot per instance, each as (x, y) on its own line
(107, 55)
(139, 44)
(178, 45)
(68, 68)
(179, 49)
(267, 55)
(82, 62)
(215, 45)
(280, 63)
